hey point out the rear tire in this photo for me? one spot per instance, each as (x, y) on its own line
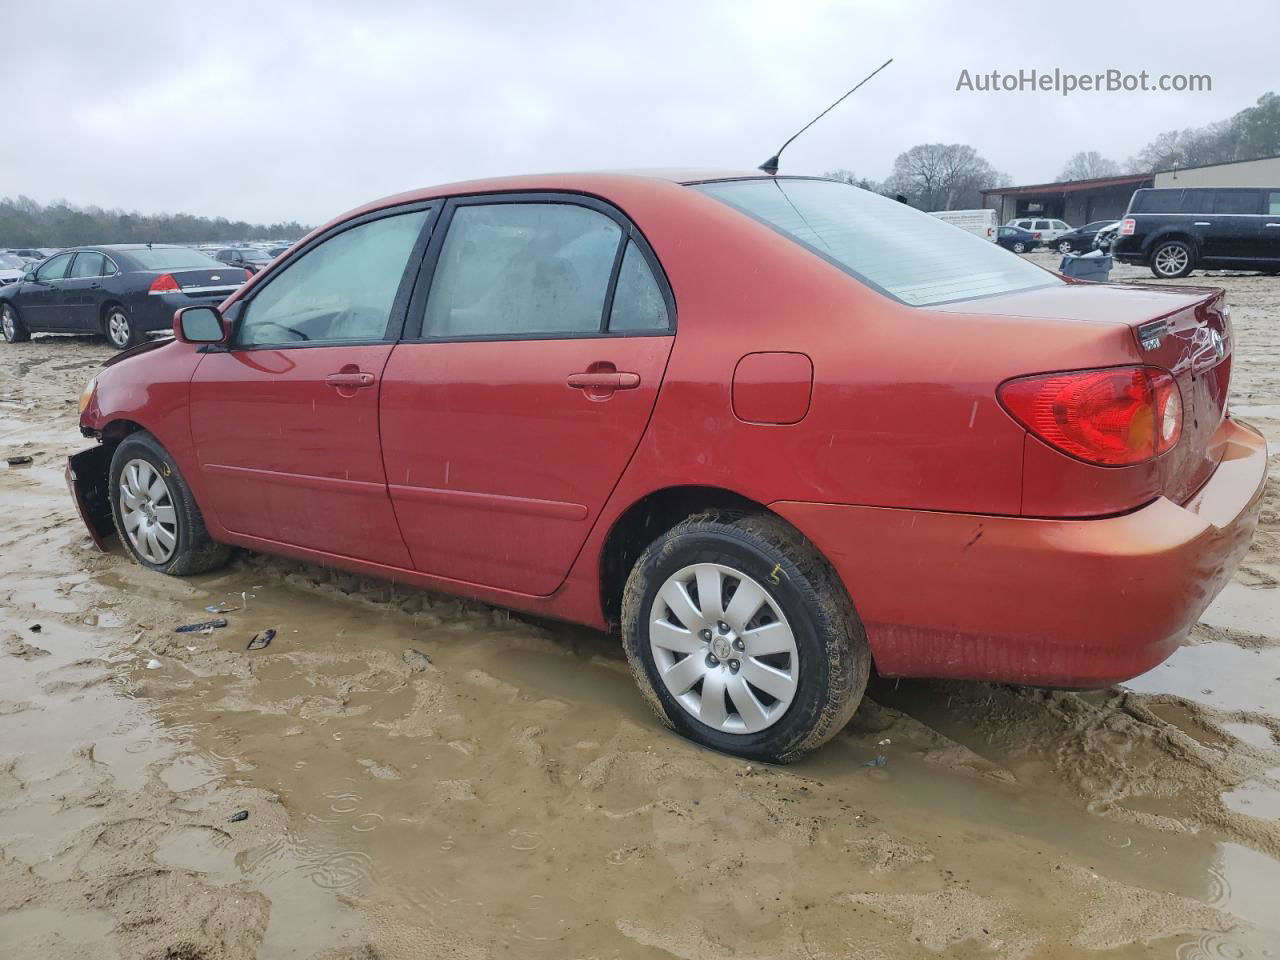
(156, 515)
(1019, 247)
(119, 329)
(809, 672)
(1065, 247)
(11, 325)
(1172, 259)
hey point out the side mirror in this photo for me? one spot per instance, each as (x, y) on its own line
(199, 325)
(28, 278)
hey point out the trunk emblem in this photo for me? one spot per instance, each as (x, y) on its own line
(215, 277)
(1150, 334)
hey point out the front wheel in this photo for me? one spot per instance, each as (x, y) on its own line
(119, 328)
(155, 513)
(11, 325)
(1172, 259)
(1064, 247)
(743, 639)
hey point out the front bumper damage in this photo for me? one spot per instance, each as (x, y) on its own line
(87, 479)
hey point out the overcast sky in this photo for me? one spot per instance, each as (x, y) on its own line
(302, 110)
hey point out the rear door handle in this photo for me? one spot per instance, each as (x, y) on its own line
(1202, 223)
(350, 380)
(604, 381)
(1274, 225)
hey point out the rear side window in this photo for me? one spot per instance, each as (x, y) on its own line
(172, 258)
(638, 303)
(1042, 225)
(1237, 201)
(910, 256)
(1273, 203)
(522, 269)
(54, 269)
(89, 265)
(342, 289)
(1159, 201)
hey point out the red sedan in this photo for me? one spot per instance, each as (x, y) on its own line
(776, 430)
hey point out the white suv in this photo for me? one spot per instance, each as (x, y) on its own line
(1049, 230)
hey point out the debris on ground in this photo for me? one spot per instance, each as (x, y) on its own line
(417, 661)
(35, 628)
(260, 641)
(879, 761)
(198, 627)
(220, 608)
(239, 816)
(153, 664)
(20, 461)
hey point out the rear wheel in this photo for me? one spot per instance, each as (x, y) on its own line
(118, 326)
(1173, 258)
(155, 513)
(743, 639)
(11, 325)
(1019, 247)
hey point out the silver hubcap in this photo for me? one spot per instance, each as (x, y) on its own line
(1171, 260)
(6, 321)
(1064, 248)
(118, 328)
(1019, 247)
(146, 507)
(723, 648)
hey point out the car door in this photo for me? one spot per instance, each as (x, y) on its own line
(1236, 224)
(285, 419)
(41, 301)
(527, 376)
(1269, 234)
(81, 290)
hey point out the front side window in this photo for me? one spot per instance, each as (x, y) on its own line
(88, 265)
(55, 269)
(910, 256)
(343, 289)
(522, 269)
(1273, 203)
(1059, 225)
(1042, 224)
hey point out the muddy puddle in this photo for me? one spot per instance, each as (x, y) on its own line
(423, 777)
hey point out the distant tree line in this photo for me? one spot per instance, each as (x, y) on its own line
(952, 176)
(26, 223)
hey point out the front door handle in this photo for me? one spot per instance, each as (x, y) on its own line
(1277, 225)
(1202, 223)
(613, 380)
(350, 381)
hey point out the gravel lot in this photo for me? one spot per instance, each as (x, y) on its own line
(425, 777)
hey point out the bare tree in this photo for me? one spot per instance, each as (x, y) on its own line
(1252, 133)
(1087, 165)
(848, 176)
(943, 176)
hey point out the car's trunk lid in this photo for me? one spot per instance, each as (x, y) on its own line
(217, 284)
(1185, 330)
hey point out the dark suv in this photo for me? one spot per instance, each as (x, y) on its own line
(1176, 230)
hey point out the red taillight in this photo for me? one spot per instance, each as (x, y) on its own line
(165, 284)
(1127, 226)
(1113, 417)
(1036, 235)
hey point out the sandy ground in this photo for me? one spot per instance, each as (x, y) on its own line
(430, 778)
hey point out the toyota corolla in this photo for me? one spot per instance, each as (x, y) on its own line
(755, 424)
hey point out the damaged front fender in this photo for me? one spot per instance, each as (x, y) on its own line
(90, 486)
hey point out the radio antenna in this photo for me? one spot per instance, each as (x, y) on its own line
(770, 166)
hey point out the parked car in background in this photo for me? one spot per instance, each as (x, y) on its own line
(1048, 229)
(27, 253)
(773, 429)
(1017, 239)
(1176, 230)
(1080, 240)
(122, 291)
(12, 268)
(276, 251)
(1105, 237)
(981, 223)
(247, 258)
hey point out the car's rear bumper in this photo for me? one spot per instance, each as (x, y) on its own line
(1068, 603)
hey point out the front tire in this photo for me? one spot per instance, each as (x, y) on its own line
(743, 639)
(119, 328)
(1172, 259)
(156, 515)
(11, 325)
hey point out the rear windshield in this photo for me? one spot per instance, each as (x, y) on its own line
(910, 256)
(172, 258)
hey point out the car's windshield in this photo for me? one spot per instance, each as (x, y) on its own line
(172, 258)
(908, 255)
